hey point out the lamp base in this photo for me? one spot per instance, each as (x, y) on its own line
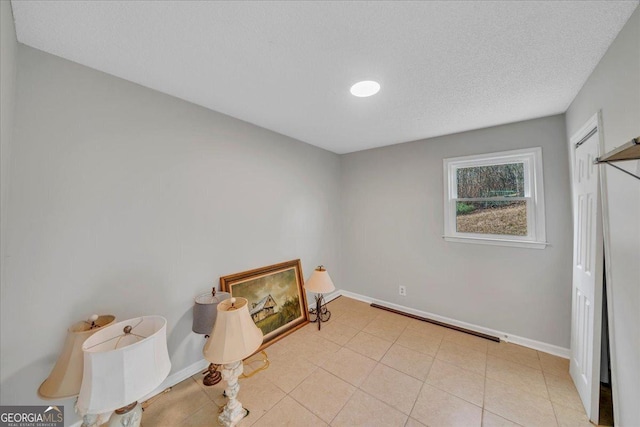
(233, 411)
(212, 375)
(320, 313)
(128, 416)
(90, 420)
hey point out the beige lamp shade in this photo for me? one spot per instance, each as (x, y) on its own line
(235, 336)
(320, 282)
(205, 309)
(66, 376)
(121, 367)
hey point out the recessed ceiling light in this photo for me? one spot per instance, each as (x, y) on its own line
(365, 88)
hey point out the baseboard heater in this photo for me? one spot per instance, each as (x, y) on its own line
(435, 322)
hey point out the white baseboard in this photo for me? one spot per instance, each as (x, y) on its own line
(358, 297)
(504, 336)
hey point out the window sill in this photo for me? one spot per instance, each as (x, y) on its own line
(498, 242)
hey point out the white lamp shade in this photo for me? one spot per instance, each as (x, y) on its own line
(235, 336)
(66, 376)
(121, 368)
(320, 282)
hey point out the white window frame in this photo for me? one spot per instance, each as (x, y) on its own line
(534, 196)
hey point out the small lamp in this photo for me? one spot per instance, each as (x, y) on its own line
(234, 337)
(123, 363)
(320, 283)
(205, 309)
(66, 376)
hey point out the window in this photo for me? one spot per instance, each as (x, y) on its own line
(495, 199)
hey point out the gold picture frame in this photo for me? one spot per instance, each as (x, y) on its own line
(277, 300)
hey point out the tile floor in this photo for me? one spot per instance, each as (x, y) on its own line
(370, 367)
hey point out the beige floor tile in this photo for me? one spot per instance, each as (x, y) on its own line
(514, 374)
(365, 410)
(464, 384)
(437, 408)
(198, 379)
(408, 361)
(357, 320)
(369, 345)
(568, 417)
(417, 341)
(463, 357)
(287, 348)
(203, 417)
(314, 348)
(411, 422)
(339, 307)
(563, 392)
(467, 340)
(258, 395)
(493, 420)
(386, 331)
(352, 304)
(349, 365)
(312, 327)
(367, 309)
(324, 394)
(426, 328)
(392, 387)
(255, 363)
(321, 351)
(337, 332)
(553, 364)
(389, 317)
(288, 413)
(518, 406)
(172, 408)
(344, 305)
(215, 393)
(287, 374)
(515, 353)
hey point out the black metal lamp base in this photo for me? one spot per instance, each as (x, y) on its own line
(320, 313)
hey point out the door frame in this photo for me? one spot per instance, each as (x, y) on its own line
(595, 122)
(606, 238)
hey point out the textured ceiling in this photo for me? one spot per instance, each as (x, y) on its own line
(444, 67)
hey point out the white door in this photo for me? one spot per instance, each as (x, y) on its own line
(586, 318)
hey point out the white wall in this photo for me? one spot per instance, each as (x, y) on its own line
(614, 88)
(8, 47)
(124, 200)
(393, 227)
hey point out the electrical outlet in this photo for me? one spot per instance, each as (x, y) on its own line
(402, 290)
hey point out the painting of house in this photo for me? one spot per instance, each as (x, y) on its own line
(263, 308)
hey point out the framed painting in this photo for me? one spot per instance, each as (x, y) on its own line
(277, 300)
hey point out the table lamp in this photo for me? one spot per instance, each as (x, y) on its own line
(205, 309)
(66, 376)
(320, 283)
(234, 337)
(123, 363)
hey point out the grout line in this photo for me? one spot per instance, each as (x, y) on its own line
(387, 404)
